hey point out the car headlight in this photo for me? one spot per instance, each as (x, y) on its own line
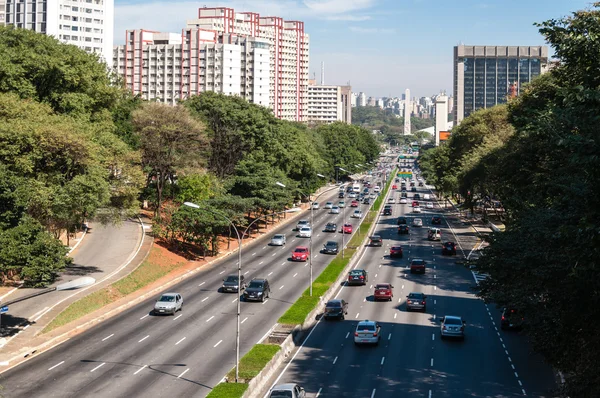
(259, 293)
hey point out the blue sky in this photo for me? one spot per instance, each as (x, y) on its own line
(381, 47)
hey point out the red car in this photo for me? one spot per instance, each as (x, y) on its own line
(383, 291)
(347, 228)
(396, 251)
(300, 254)
(417, 265)
(415, 203)
(354, 203)
(394, 186)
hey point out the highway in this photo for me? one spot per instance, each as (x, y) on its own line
(411, 359)
(137, 354)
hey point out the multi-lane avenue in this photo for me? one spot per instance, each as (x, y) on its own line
(137, 354)
(411, 359)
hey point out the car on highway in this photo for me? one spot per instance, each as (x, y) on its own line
(357, 214)
(331, 247)
(417, 222)
(377, 189)
(416, 209)
(415, 203)
(394, 186)
(510, 319)
(315, 206)
(336, 308)
(288, 390)
(426, 197)
(352, 195)
(354, 203)
(347, 229)
(391, 201)
(449, 248)
(278, 240)
(341, 204)
(366, 201)
(413, 189)
(416, 301)
(434, 234)
(417, 196)
(417, 265)
(300, 253)
(373, 196)
(387, 210)
(168, 303)
(429, 205)
(401, 220)
(328, 205)
(301, 224)
(403, 229)
(305, 232)
(452, 326)
(375, 240)
(331, 227)
(383, 291)
(257, 290)
(358, 277)
(396, 251)
(231, 284)
(403, 201)
(367, 332)
(340, 195)
(403, 195)
(436, 220)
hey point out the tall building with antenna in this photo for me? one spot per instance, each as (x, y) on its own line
(407, 112)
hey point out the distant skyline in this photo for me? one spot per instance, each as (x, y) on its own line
(359, 40)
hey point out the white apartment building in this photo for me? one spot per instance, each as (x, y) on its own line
(170, 67)
(288, 47)
(362, 99)
(328, 104)
(87, 24)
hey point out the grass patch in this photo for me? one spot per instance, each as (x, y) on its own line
(228, 390)
(254, 361)
(143, 275)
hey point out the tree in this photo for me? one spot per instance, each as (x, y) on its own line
(170, 140)
(198, 187)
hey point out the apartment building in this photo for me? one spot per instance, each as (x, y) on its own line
(87, 24)
(288, 58)
(328, 104)
(483, 75)
(169, 66)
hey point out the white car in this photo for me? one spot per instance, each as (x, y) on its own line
(328, 205)
(403, 201)
(278, 240)
(305, 232)
(377, 188)
(168, 303)
(335, 210)
(301, 224)
(367, 332)
(426, 197)
(357, 214)
(417, 222)
(417, 209)
(315, 206)
(391, 201)
(341, 204)
(452, 326)
(429, 205)
(352, 195)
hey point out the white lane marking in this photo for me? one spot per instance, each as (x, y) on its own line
(201, 284)
(246, 273)
(382, 360)
(395, 315)
(140, 369)
(431, 361)
(180, 341)
(204, 299)
(389, 336)
(375, 275)
(335, 360)
(265, 302)
(281, 287)
(260, 262)
(318, 393)
(98, 367)
(108, 337)
(347, 334)
(234, 300)
(222, 272)
(283, 263)
(184, 372)
(245, 319)
(432, 336)
(26, 326)
(264, 247)
(315, 256)
(270, 273)
(273, 254)
(371, 287)
(177, 317)
(210, 319)
(434, 276)
(373, 393)
(434, 302)
(147, 315)
(402, 286)
(57, 365)
(429, 393)
(356, 317)
(254, 254)
(365, 300)
(435, 288)
(220, 341)
(400, 299)
(295, 275)
(144, 339)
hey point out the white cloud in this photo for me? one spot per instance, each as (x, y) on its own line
(346, 17)
(359, 29)
(338, 6)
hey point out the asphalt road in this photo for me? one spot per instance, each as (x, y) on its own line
(411, 359)
(137, 354)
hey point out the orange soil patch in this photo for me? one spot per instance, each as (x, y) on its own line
(162, 256)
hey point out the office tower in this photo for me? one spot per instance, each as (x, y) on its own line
(483, 74)
(407, 112)
(85, 24)
(328, 104)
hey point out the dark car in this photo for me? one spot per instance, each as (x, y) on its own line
(366, 201)
(341, 195)
(387, 210)
(403, 229)
(404, 195)
(413, 189)
(331, 247)
(449, 248)
(417, 196)
(436, 220)
(511, 319)
(421, 183)
(336, 309)
(396, 251)
(331, 227)
(358, 277)
(230, 284)
(416, 301)
(257, 290)
(402, 220)
(417, 265)
(376, 240)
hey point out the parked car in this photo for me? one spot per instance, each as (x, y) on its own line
(357, 214)
(300, 253)
(417, 265)
(436, 220)
(396, 251)
(449, 248)
(232, 284)
(331, 227)
(331, 247)
(258, 290)
(413, 189)
(288, 390)
(452, 326)
(367, 332)
(278, 240)
(305, 232)
(337, 308)
(358, 277)
(416, 301)
(168, 303)
(301, 224)
(383, 291)
(417, 222)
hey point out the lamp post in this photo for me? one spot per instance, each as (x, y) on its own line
(239, 264)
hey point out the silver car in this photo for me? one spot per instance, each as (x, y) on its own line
(417, 222)
(367, 332)
(301, 224)
(452, 326)
(288, 390)
(335, 210)
(278, 240)
(168, 303)
(357, 214)
(305, 232)
(328, 205)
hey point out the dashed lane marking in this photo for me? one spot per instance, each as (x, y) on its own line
(210, 319)
(108, 337)
(219, 342)
(144, 339)
(335, 360)
(180, 341)
(140, 369)
(98, 367)
(182, 373)
(57, 365)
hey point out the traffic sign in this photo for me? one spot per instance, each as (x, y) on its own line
(3, 310)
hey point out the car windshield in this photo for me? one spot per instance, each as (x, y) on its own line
(348, 225)
(305, 229)
(356, 272)
(335, 304)
(278, 237)
(231, 278)
(167, 298)
(418, 262)
(382, 286)
(396, 248)
(452, 321)
(301, 250)
(415, 295)
(375, 237)
(367, 327)
(331, 244)
(281, 394)
(255, 285)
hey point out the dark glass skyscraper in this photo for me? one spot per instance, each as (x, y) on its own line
(483, 74)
